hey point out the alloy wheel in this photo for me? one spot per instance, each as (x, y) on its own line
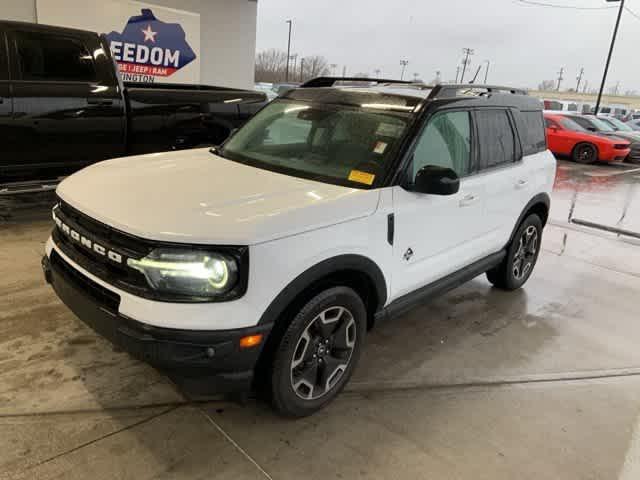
(525, 255)
(323, 353)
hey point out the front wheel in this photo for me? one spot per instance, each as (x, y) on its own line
(522, 255)
(584, 153)
(318, 352)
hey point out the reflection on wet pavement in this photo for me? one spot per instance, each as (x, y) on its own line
(604, 195)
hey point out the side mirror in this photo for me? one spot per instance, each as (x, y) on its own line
(554, 129)
(592, 129)
(436, 181)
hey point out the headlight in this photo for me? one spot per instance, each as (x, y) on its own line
(190, 273)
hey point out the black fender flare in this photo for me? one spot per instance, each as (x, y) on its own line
(540, 198)
(359, 263)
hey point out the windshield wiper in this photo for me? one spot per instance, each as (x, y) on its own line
(216, 151)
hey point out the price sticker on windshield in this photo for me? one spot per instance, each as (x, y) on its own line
(361, 177)
(379, 148)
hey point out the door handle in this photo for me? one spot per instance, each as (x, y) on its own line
(468, 200)
(99, 101)
(521, 183)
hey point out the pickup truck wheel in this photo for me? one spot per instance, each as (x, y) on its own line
(584, 153)
(318, 352)
(521, 257)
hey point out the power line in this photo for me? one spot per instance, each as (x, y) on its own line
(632, 12)
(554, 5)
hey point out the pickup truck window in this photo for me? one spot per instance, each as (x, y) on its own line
(44, 57)
(338, 144)
(4, 61)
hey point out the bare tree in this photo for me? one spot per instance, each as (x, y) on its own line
(315, 66)
(271, 65)
(547, 85)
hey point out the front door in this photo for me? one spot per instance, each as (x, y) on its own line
(436, 234)
(66, 112)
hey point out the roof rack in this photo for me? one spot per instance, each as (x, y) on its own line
(331, 81)
(452, 89)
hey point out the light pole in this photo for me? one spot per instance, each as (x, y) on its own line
(467, 52)
(290, 22)
(579, 79)
(560, 78)
(301, 69)
(486, 72)
(377, 72)
(457, 72)
(613, 42)
(404, 64)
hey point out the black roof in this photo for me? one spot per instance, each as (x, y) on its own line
(4, 24)
(408, 96)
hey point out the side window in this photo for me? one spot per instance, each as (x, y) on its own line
(44, 57)
(495, 138)
(533, 135)
(445, 142)
(4, 63)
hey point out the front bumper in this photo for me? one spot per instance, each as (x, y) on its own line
(215, 354)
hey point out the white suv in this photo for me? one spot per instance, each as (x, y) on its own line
(263, 262)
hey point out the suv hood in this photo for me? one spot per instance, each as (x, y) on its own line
(194, 196)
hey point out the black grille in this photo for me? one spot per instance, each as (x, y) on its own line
(104, 297)
(118, 275)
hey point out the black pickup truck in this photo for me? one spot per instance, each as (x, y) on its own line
(63, 106)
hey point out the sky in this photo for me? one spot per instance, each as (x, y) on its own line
(524, 43)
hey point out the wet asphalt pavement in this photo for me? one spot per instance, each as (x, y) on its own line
(539, 383)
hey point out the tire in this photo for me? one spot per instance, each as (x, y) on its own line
(322, 346)
(521, 258)
(584, 153)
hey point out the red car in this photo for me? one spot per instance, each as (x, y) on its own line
(566, 138)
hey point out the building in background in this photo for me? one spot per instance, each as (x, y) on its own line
(187, 41)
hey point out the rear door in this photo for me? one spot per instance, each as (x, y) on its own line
(5, 106)
(504, 174)
(68, 110)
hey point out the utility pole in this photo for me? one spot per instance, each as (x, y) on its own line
(606, 67)
(290, 22)
(404, 64)
(457, 73)
(560, 78)
(344, 71)
(579, 78)
(301, 69)
(486, 72)
(294, 57)
(467, 52)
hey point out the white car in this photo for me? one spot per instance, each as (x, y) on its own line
(263, 262)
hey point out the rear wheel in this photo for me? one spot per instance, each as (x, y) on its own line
(522, 255)
(584, 153)
(318, 352)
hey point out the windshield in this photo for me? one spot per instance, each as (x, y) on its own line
(571, 125)
(623, 127)
(349, 146)
(600, 125)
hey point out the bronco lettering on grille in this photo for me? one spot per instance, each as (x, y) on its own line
(86, 242)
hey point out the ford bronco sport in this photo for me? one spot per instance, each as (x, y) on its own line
(265, 261)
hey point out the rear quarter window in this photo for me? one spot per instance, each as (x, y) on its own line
(532, 132)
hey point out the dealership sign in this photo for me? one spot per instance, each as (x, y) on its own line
(149, 46)
(150, 43)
